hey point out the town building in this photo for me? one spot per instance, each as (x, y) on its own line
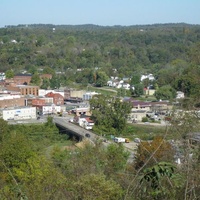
(19, 113)
(88, 95)
(7, 101)
(57, 98)
(24, 89)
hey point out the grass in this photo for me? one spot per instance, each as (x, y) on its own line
(104, 90)
(143, 132)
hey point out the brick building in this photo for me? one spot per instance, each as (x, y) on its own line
(22, 79)
(58, 99)
(24, 89)
(11, 101)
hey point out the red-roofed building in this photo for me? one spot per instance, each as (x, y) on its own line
(58, 99)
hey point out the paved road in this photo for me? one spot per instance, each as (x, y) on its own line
(64, 121)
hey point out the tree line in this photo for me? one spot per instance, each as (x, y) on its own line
(169, 51)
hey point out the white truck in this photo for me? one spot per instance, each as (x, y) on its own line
(121, 140)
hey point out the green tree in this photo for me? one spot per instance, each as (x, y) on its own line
(109, 113)
(117, 158)
(165, 93)
(45, 84)
(55, 82)
(9, 73)
(135, 79)
(138, 90)
(97, 186)
(4, 130)
(35, 79)
(100, 79)
(160, 181)
(48, 70)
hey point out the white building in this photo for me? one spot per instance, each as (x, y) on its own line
(88, 95)
(180, 95)
(43, 92)
(19, 113)
(2, 76)
(86, 123)
(52, 109)
(149, 76)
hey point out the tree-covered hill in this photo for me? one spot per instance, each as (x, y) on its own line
(86, 46)
(166, 50)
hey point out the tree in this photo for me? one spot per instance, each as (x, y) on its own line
(138, 90)
(159, 149)
(100, 79)
(117, 158)
(165, 93)
(109, 113)
(97, 186)
(4, 130)
(9, 74)
(24, 173)
(135, 79)
(48, 70)
(160, 181)
(55, 82)
(35, 79)
(45, 84)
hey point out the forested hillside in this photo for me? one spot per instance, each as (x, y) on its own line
(128, 49)
(169, 51)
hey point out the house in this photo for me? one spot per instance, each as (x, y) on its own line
(85, 122)
(149, 92)
(148, 76)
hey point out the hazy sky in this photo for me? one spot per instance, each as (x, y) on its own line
(99, 12)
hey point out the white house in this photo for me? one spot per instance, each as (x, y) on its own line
(85, 122)
(149, 76)
(19, 113)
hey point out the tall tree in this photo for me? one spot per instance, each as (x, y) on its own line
(109, 113)
(35, 79)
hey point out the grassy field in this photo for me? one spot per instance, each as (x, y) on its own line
(143, 132)
(103, 90)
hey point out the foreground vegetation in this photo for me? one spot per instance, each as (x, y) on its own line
(36, 162)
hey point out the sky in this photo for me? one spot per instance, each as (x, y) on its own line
(99, 12)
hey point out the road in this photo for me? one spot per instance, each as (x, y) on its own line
(64, 121)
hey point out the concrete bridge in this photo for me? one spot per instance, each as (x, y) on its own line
(80, 134)
(74, 130)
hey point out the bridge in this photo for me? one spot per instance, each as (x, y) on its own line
(79, 133)
(74, 130)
